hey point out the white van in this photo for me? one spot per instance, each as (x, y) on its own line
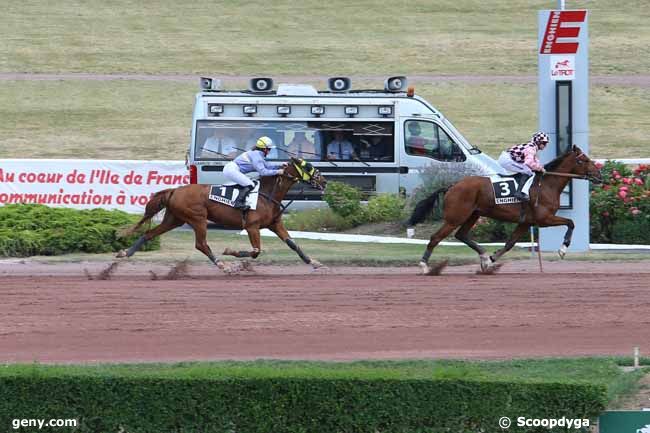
(376, 140)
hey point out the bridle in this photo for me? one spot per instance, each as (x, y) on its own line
(307, 173)
(579, 161)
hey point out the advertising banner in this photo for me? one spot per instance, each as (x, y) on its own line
(88, 184)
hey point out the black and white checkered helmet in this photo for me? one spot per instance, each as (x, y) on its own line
(540, 138)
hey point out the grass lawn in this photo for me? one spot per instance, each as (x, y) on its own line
(152, 119)
(179, 245)
(309, 37)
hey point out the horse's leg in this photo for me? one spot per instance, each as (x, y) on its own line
(168, 223)
(555, 220)
(463, 235)
(514, 237)
(201, 243)
(279, 229)
(256, 243)
(438, 236)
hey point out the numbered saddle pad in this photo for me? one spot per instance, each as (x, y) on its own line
(228, 193)
(505, 188)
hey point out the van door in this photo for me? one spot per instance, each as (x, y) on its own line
(425, 145)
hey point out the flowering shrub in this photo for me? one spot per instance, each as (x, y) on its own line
(620, 207)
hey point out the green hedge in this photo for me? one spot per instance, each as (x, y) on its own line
(289, 404)
(33, 229)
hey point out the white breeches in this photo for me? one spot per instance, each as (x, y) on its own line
(231, 172)
(507, 163)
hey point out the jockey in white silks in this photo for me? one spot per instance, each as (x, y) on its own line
(522, 159)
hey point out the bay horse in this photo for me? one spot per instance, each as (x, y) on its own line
(473, 197)
(189, 204)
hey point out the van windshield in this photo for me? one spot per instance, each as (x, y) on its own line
(325, 140)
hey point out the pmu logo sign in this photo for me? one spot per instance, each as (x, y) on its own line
(560, 26)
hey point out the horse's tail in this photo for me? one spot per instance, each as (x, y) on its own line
(155, 204)
(424, 207)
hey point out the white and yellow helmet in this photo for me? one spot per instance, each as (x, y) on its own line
(264, 143)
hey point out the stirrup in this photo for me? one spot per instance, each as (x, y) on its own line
(522, 197)
(243, 206)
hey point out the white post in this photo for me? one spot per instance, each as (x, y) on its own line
(561, 4)
(636, 358)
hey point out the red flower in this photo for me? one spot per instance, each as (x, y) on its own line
(605, 214)
(606, 187)
(599, 165)
(622, 194)
(638, 181)
(627, 181)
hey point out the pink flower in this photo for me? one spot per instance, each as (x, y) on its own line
(627, 181)
(638, 181)
(617, 176)
(635, 211)
(599, 165)
(623, 188)
(615, 172)
(622, 194)
(605, 214)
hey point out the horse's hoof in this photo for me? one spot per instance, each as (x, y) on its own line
(486, 262)
(225, 267)
(562, 251)
(437, 268)
(491, 270)
(230, 252)
(121, 254)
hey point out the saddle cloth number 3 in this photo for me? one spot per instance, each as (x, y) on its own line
(506, 188)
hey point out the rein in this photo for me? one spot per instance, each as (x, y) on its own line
(270, 198)
(575, 176)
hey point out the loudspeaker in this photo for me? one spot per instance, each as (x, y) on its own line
(209, 83)
(339, 84)
(260, 85)
(395, 84)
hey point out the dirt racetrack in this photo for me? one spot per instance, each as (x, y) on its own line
(53, 313)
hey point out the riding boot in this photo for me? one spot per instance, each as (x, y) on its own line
(240, 203)
(521, 181)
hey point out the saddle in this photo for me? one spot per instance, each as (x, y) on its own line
(227, 194)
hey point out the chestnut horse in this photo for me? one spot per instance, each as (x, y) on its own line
(473, 197)
(190, 204)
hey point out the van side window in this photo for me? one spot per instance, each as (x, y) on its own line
(422, 138)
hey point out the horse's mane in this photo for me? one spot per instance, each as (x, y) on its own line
(550, 166)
